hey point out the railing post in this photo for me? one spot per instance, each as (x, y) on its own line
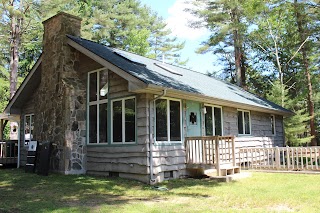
(277, 153)
(233, 152)
(217, 155)
(288, 158)
(187, 149)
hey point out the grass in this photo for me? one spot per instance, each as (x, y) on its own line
(263, 192)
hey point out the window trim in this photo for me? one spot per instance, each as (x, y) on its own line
(123, 113)
(24, 128)
(213, 123)
(243, 122)
(273, 124)
(96, 103)
(168, 142)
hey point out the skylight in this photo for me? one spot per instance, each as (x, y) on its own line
(168, 69)
(129, 58)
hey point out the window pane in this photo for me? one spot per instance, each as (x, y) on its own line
(130, 120)
(272, 124)
(161, 120)
(103, 87)
(103, 123)
(117, 121)
(218, 121)
(240, 122)
(93, 87)
(208, 121)
(175, 127)
(247, 122)
(93, 124)
(31, 126)
(27, 129)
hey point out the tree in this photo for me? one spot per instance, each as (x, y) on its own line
(281, 41)
(123, 24)
(304, 31)
(296, 125)
(228, 22)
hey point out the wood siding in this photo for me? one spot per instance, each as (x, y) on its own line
(130, 160)
(261, 134)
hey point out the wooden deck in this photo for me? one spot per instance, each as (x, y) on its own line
(217, 152)
(8, 152)
(281, 158)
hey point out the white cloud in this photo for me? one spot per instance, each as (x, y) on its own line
(179, 19)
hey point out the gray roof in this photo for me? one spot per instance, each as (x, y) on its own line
(169, 76)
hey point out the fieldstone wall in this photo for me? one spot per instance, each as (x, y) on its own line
(60, 104)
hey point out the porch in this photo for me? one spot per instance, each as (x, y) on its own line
(212, 152)
(8, 152)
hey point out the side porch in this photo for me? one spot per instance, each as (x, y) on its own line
(8, 152)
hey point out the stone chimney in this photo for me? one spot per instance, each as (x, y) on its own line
(60, 103)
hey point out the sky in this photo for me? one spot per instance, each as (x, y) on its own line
(177, 21)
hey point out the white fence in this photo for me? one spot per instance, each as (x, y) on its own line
(280, 158)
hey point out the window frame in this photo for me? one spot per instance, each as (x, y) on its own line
(168, 142)
(213, 122)
(123, 99)
(96, 103)
(24, 126)
(273, 125)
(243, 122)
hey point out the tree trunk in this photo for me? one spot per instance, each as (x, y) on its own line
(238, 54)
(16, 23)
(303, 37)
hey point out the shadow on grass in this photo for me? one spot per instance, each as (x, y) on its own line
(20, 191)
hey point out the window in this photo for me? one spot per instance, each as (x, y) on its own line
(123, 120)
(28, 128)
(244, 123)
(168, 120)
(98, 107)
(273, 124)
(213, 120)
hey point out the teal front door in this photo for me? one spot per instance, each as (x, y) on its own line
(193, 118)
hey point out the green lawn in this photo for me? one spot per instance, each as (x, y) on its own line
(263, 192)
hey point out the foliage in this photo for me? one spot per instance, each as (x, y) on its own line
(296, 125)
(125, 24)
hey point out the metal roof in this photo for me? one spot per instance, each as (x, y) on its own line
(154, 72)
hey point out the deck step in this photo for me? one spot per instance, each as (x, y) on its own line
(226, 170)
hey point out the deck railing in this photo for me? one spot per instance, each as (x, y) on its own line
(8, 152)
(210, 150)
(280, 158)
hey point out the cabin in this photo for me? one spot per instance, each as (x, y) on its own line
(113, 113)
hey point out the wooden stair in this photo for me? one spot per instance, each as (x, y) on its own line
(228, 169)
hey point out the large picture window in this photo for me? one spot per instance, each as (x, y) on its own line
(98, 107)
(123, 120)
(213, 120)
(244, 122)
(28, 128)
(168, 120)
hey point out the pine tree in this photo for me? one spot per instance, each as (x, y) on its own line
(297, 125)
(228, 22)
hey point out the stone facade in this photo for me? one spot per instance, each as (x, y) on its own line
(60, 103)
